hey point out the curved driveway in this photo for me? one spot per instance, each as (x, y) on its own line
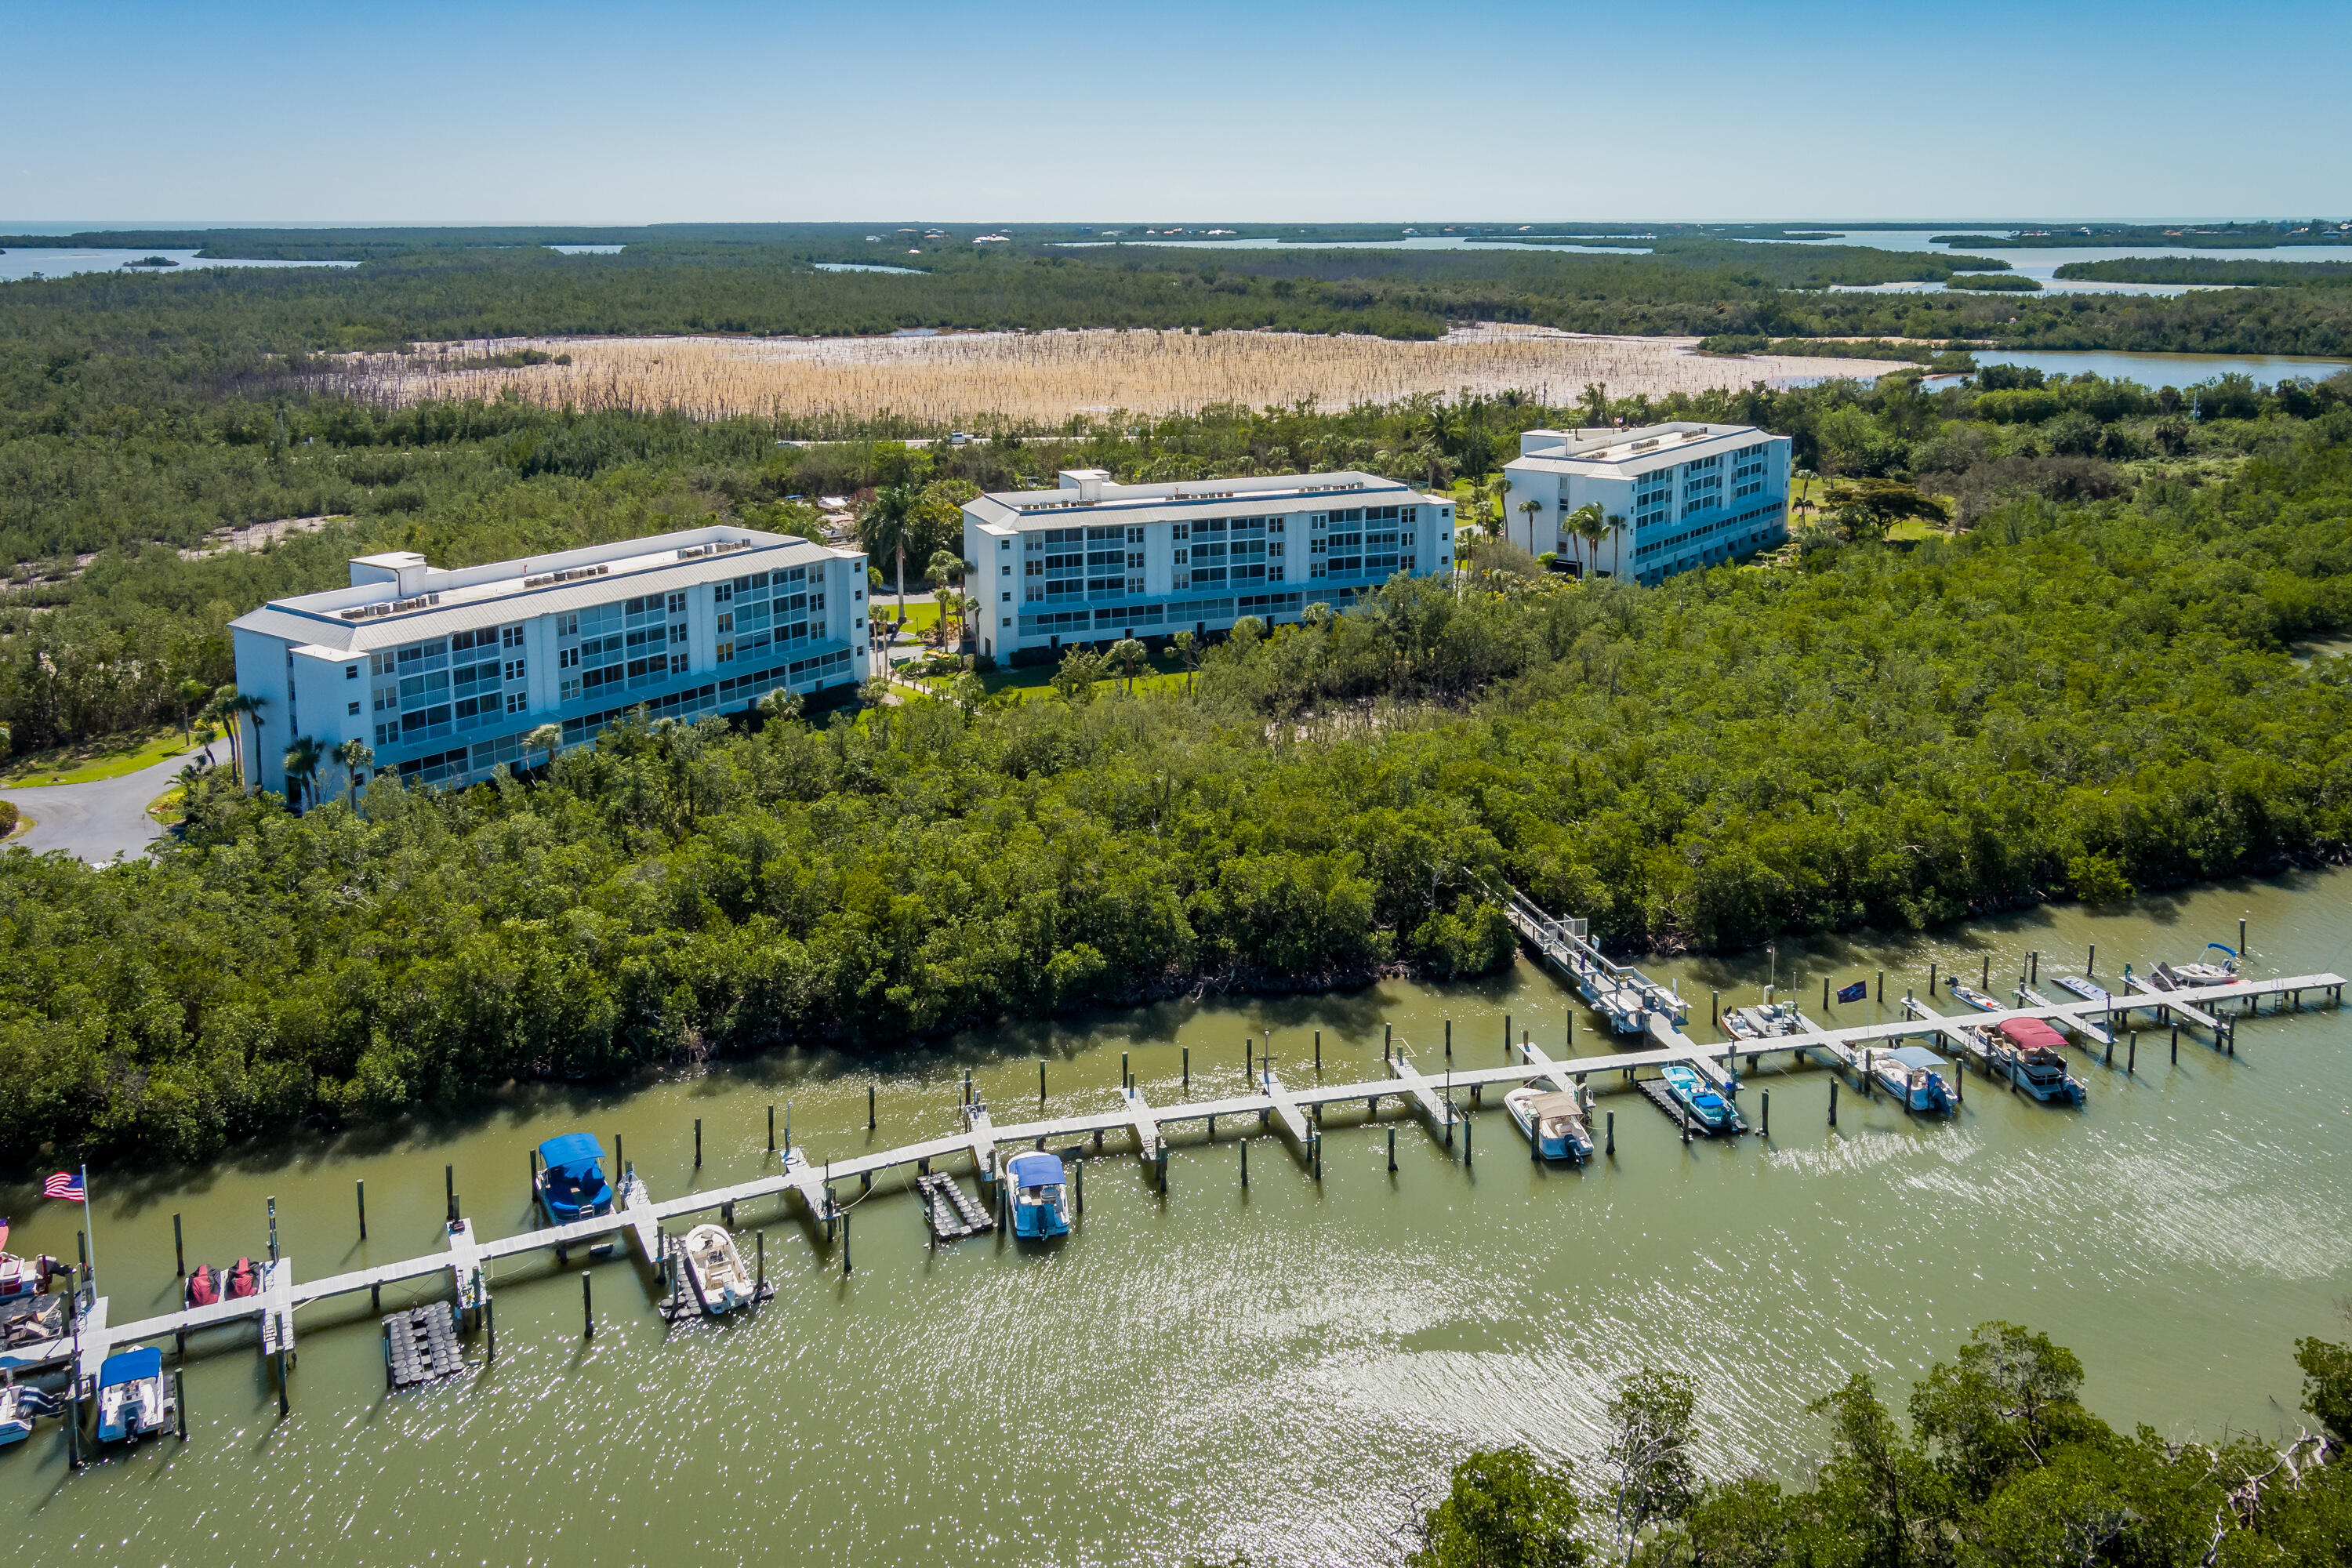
(96, 822)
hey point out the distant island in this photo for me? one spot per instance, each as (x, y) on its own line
(152, 261)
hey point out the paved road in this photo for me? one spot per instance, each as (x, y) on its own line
(96, 821)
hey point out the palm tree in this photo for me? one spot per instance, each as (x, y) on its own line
(223, 711)
(354, 756)
(1128, 654)
(249, 708)
(1527, 509)
(302, 760)
(1587, 523)
(1616, 544)
(781, 703)
(547, 738)
(1497, 492)
(884, 527)
(192, 694)
(946, 567)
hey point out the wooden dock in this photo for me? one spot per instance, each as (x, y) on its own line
(1628, 998)
(466, 1262)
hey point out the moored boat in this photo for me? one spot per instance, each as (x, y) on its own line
(21, 1276)
(2182, 976)
(32, 1319)
(715, 1268)
(1766, 1022)
(2089, 991)
(1040, 1201)
(569, 1183)
(1553, 1120)
(1697, 1097)
(2032, 1056)
(134, 1398)
(1975, 999)
(1915, 1075)
(20, 1405)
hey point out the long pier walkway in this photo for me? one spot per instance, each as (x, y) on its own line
(466, 1260)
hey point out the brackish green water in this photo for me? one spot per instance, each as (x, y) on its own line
(1278, 1373)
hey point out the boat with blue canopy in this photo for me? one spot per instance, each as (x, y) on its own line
(134, 1400)
(1698, 1096)
(570, 1183)
(1915, 1075)
(1040, 1196)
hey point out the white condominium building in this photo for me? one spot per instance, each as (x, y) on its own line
(445, 673)
(1094, 561)
(1689, 495)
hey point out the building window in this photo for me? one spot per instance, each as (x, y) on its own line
(517, 702)
(351, 708)
(726, 653)
(677, 604)
(514, 668)
(351, 672)
(678, 664)
(677, 631)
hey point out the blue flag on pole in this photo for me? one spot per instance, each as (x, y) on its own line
(1857, 992)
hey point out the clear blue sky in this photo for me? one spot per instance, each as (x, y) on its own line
(426, 112)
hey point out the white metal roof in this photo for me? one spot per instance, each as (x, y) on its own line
(1182, 500)
(500, 594)
(1616, 453)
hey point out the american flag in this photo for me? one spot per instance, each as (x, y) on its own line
(66, 1184)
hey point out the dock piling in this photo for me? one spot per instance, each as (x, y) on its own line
(1079, 1186)
(760, 1239)
(1125, 1078)
(73, 1427)
(587, 1304)
(2033, 966)
(869, 1107)
(1882, 986)
(1986, 979)
(1931, 979)
(2111, 1051)
(1767, 1113)
(1834, 1086)
(2131, 1060)
(1388, 1038)
(1188, 1065)
(1825, 993)
(2176, 1045)
(448, 1192)
(1318, 1053)
(2241, 939)
(1467, 1125)
(179, 1252)
(1714, 1009)
(180, 1402)
(1245, 1147)
(273, 1228)
(844, 1246)
(1041, 1083)
(1612, 1134)
(620, 1156)
(2091, 964)
(698, 1143)
(772, 1129)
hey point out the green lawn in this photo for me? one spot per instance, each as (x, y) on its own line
(107, 758)
(1035, 683)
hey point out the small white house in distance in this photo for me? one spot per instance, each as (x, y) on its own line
(1094, 561)
(1690, 495)
(445, 673)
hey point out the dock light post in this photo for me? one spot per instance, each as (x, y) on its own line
(587, 1305)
